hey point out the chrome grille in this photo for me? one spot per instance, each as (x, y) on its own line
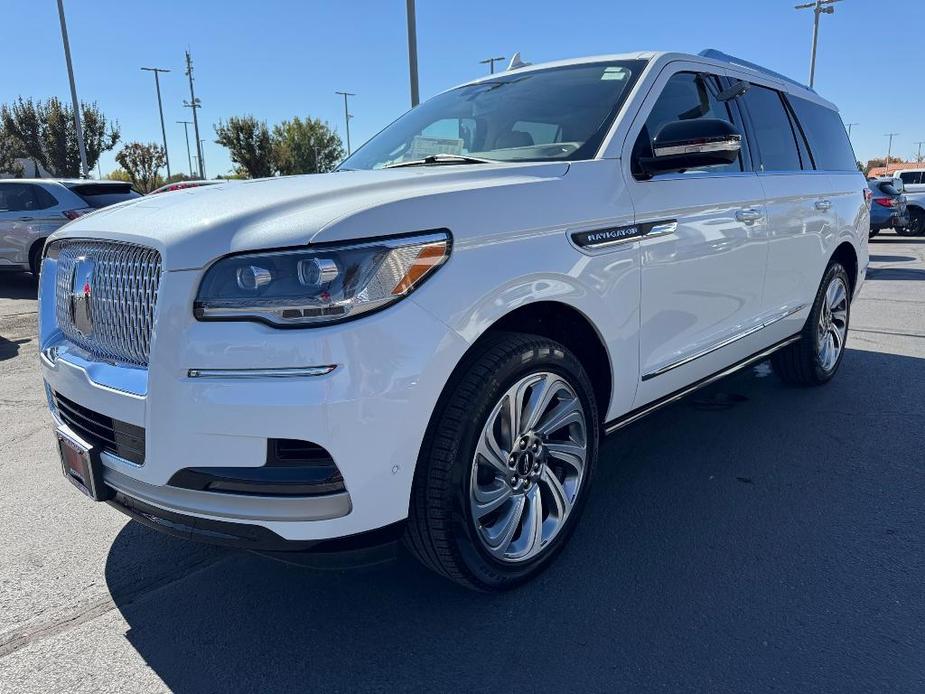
(122, 300)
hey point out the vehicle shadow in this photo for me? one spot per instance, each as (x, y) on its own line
(771, 542)
(18, 285)
(892, 259)
(10, 348)
(895, 273)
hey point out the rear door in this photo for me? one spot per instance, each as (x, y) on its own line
(28, 213)
(801, 215)
(703, 264)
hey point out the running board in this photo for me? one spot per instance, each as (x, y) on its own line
(639, 413)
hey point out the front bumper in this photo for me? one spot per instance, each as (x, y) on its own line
(370, 413)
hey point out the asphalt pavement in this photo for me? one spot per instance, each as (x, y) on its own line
(753, 537)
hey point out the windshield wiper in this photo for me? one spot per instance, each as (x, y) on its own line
(441, 159)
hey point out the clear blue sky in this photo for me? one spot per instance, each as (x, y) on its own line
(276, 59)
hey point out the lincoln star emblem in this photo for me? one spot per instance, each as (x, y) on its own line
(81, 290)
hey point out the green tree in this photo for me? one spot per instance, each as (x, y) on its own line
(119, 175)
(46, 133)
(249, 142)
(306, 146)
(142, 161)
(10, 151)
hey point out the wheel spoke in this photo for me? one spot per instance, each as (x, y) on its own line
(836, 339)
(533, 527)
(540, 395)
(557, 492)
(488, 500)
(498, 537)
(568, 452)
(490, 450)
(568, 411)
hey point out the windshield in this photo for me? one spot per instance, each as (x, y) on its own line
(553, 114)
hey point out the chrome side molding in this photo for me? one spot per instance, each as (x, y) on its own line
(724, 343)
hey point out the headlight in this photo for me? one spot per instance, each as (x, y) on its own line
(320, 284)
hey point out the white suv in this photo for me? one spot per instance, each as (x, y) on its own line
(431, 341)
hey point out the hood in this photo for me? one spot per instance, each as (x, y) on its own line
(194, 226)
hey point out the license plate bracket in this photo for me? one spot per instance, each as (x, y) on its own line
(81, 465)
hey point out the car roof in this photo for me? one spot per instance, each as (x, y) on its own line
(68, 181)
(658, 59)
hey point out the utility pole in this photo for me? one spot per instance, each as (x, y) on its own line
(347, 117)
(413, 54)
(84, 169)
(491, 63)
(189, 159)
(851, 125)
(194, 104)
(160, 108)
(819, 7)
(202, 157)
(918, 157)
(889, 151)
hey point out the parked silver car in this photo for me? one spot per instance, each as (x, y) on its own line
(31, 209)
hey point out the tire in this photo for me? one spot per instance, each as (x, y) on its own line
(916, 224)
(808, 362)
(35, 260)
(449, 527)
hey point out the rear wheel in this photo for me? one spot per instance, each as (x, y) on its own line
(506, 465)
(814, 359)
(916, 224)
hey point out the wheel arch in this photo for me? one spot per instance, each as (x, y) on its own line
(35, 251)
(847, 256)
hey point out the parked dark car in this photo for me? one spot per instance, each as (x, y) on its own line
(887, 208)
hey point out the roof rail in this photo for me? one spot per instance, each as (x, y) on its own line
(714, 54)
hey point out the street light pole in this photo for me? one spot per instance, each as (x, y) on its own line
(194, 104)
(889, 151)
(160, 108)
(819, 7)
(84, 169)
(189, 159)
(851, 125)
(918, 157)
(347, 117)
(413, 53)
(491, 63)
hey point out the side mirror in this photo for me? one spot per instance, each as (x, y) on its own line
(692, 144)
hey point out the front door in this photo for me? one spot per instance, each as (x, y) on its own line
(703, 268)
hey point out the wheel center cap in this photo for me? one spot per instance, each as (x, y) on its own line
(528, 458)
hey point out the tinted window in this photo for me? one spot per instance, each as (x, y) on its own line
(102, 195)
(911, 177)
(885, 188)
(24, 197)
(552, 114)
(778, 148)
(827, 136)
(686, 96)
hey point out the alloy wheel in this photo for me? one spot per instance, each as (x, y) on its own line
(833, 324)
(528, 467)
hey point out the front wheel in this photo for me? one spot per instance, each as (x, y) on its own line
(506, 464)
(816, 356)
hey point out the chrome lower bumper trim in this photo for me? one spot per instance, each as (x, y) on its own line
(295, 372)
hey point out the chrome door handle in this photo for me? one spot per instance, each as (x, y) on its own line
(748, 215)
(823, 205)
